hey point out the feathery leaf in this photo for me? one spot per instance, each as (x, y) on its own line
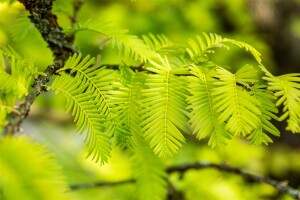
(204, 116)
(268, 108)
(103, 85)
(149, 171)
(35, 176)
(21, 75)
(127, 100)
(81, 102)
(160, 44)
(130, 45)
(163, 112)
(236, 106)
(199, 49)
(287, 90)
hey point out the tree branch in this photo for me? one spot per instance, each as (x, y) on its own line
(140, 68)
(73, 18)
(61, 46)
(281, 187)
(46, 22)
(100, 184)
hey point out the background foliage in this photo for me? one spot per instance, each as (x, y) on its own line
(179, 20)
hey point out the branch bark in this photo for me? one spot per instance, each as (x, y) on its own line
(61, 46)
(46, 22)
(280, 186)
(100, 184)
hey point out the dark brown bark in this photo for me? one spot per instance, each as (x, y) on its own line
(61, 46)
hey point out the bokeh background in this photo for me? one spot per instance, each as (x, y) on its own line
(271, 26)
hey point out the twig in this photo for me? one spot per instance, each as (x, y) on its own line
(173, 193)
(281, 187)
(77, 4)
(140, 68)
(46, 22)
(76, 7)
(100, 184)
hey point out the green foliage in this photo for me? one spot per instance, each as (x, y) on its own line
(204, 110)
(286, 88)
(159, 102)
(148, 109)
(16, 74)
(234, 104)
(268, 111)
(23, 174)
(87, 109)
(7, 1)
(22, 28)
(223, 104)
(130, 46)
(161, 44)
(151, 176)
(163, 109)
(203, 46)
(21, 72)
(127, 102)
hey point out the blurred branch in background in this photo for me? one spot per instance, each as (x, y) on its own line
(100, 184)
(77, 4)
(281, 186)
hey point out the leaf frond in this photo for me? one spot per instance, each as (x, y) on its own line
(22, 72)
(204, 117)
(9, 52)
(163, 112)
(199, 49)
(237, 107)
(35, 176)
(206, 44)
(127, 100)
(160, 44)
(287, 90)
(81, 103)
(151, 175)
(129, 45)
(268, 111)
(103, 85)
(245, 46)
(7, 101)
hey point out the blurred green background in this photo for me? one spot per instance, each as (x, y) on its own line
(271, 26)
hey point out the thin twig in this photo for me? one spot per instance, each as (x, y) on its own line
(100, 184)
(140, 68)
(281, 187)
(77, 4)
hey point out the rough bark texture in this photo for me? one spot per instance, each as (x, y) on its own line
(61, 46)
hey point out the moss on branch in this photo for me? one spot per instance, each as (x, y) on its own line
(61, 46)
